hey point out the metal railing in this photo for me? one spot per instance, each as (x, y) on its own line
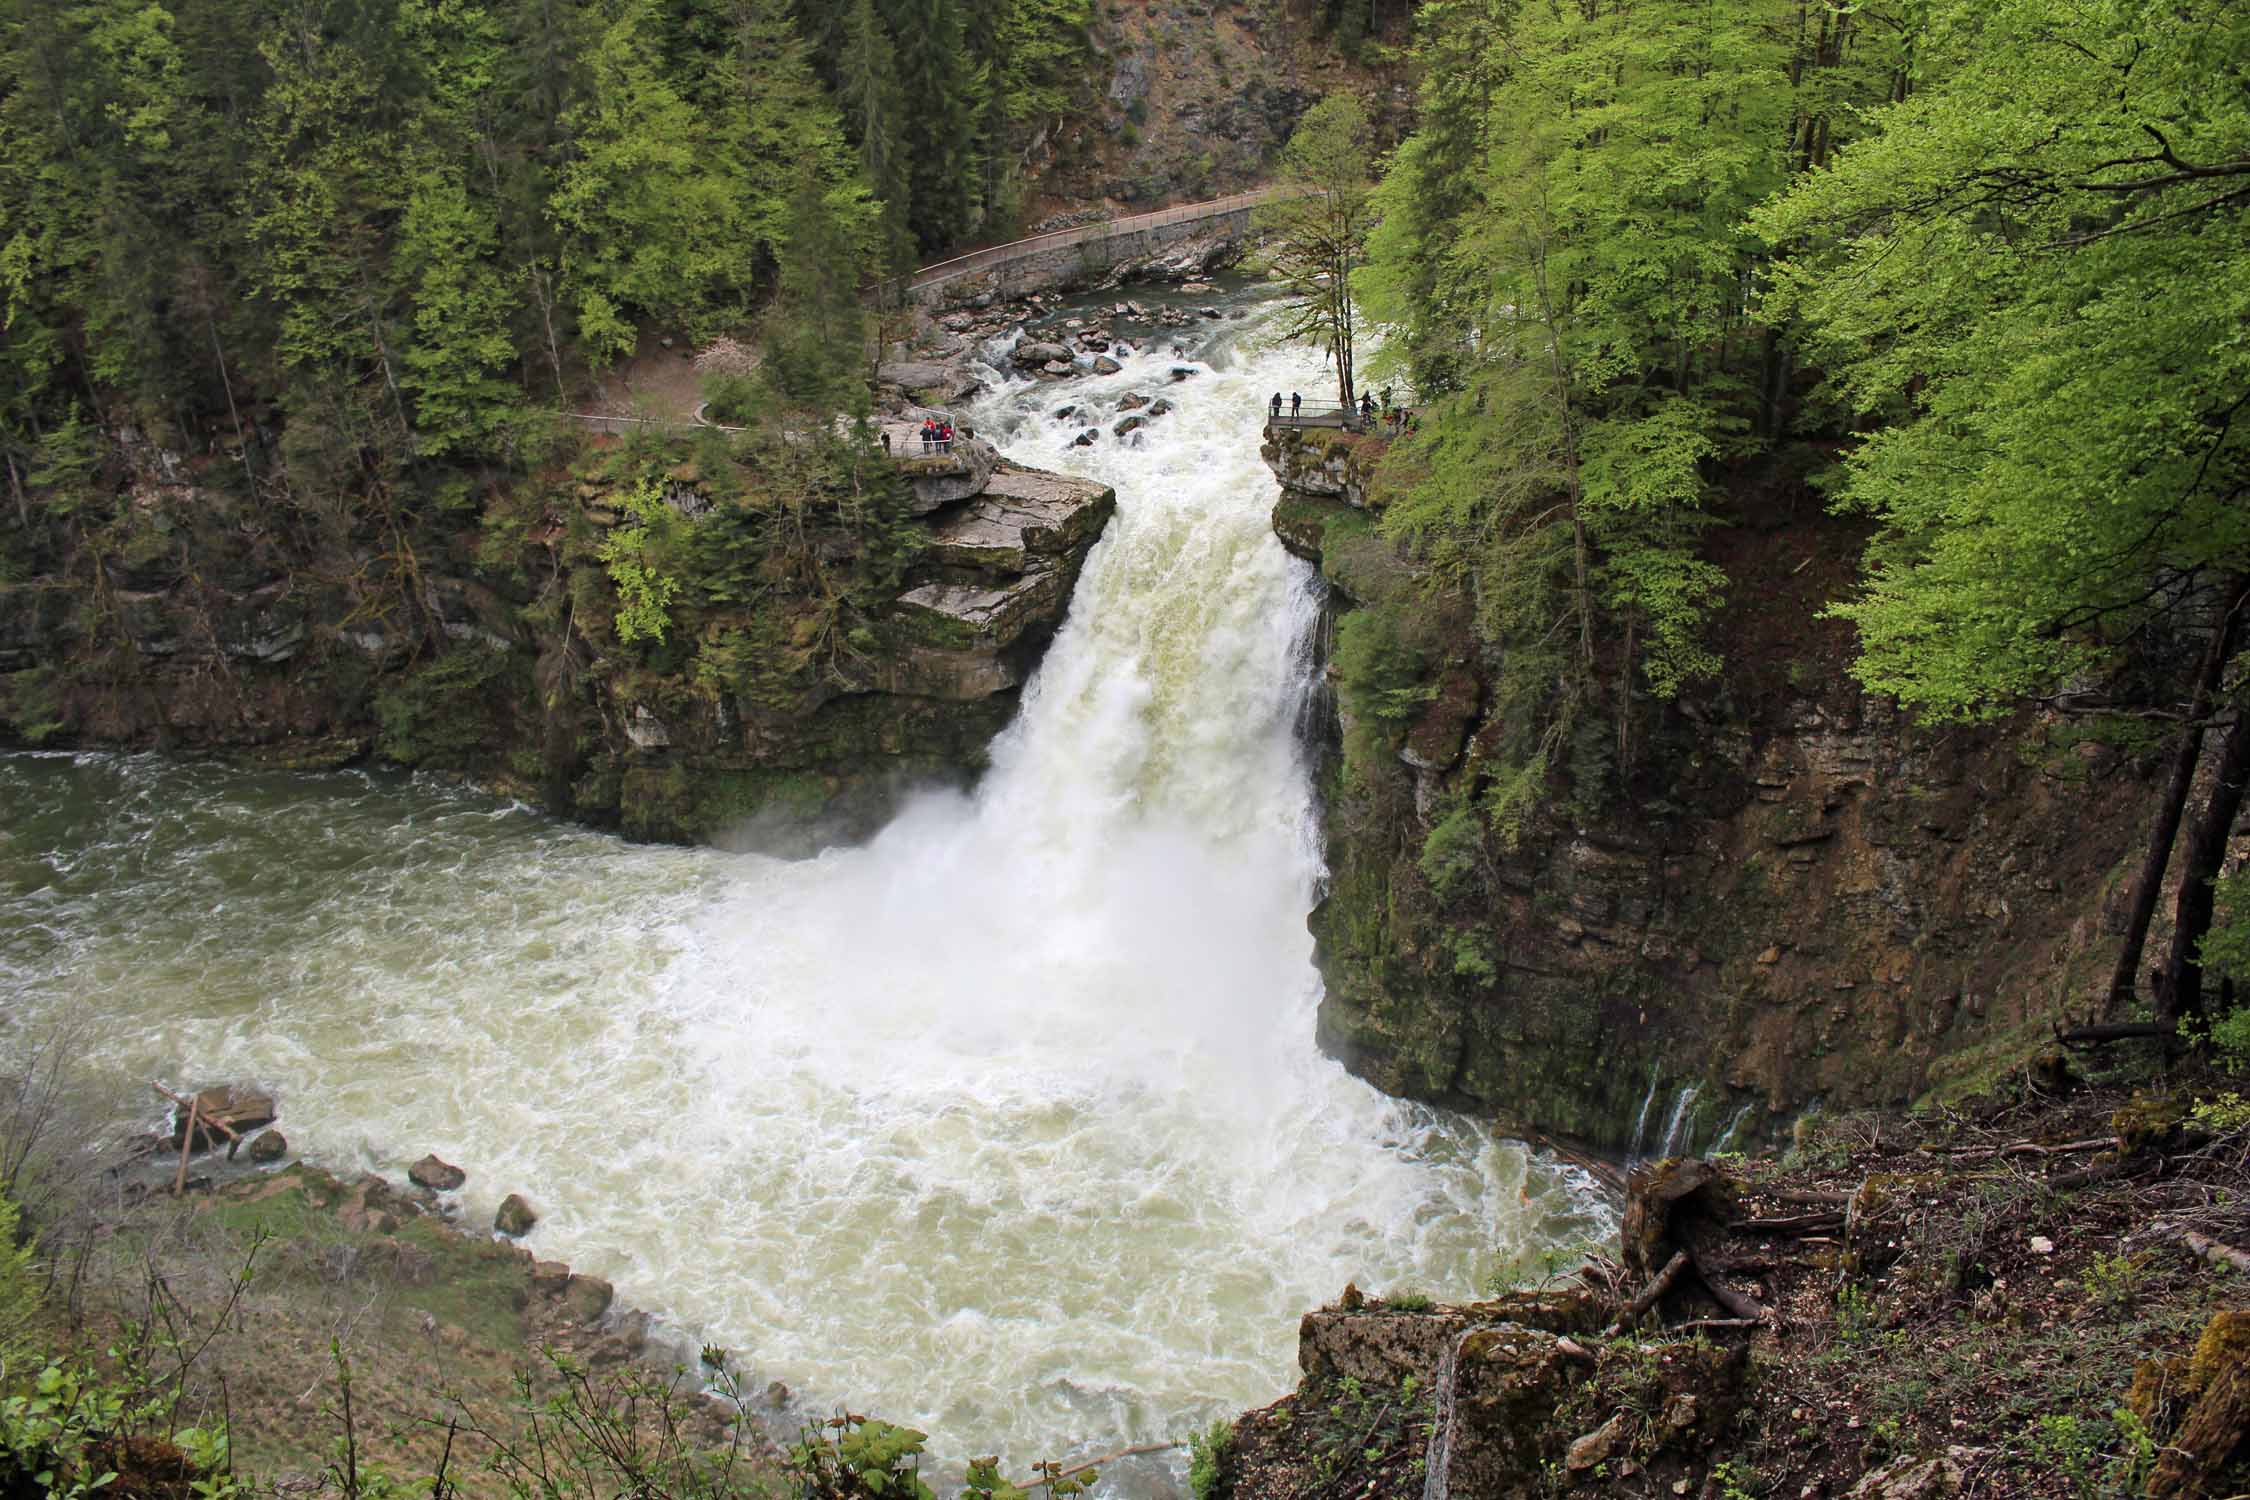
(1351, 418)
(1084, 234)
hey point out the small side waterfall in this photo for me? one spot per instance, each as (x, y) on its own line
(1726, 1136)
(1679, 1126)
(1640, 1121)
(1437, 1465)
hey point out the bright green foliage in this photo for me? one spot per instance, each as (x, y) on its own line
(1382, 681)
(852, 1457)
(651, 211)
(2033, 271)
(19, 1291)
(636, 554)
(1208, 1452)
(1564, 270)
(462, 310)
(1319, 229)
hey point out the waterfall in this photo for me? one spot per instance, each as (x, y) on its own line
(1009, 1125)
(1437, 1464)
(1640, 1121)
(1678, 1132)
(1726, 1136)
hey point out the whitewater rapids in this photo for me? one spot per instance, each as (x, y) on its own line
(1008, 1125)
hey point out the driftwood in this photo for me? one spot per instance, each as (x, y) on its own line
(1658, 1285)
(187, 1144)
(191, 1103)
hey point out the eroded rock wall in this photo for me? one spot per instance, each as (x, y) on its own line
(1802, 896)
(817, 670)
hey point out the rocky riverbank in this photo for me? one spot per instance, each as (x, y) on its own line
(2025, 1302)
(1803, 897)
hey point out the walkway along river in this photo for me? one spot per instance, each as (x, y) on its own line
(1009, 1125)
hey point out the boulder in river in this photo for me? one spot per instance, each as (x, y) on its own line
(1131, 401)
(1087, 439)
(516, 1216)
(1035, 354)
(268, 1146)
(586, 1298)
(1129, 425)
(437, 1175)
(1104, 365)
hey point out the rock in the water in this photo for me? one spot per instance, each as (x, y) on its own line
(1033, 355)
(435, 1174)
(1086, 439)
(1159, 407)
(586, 1298)
(268, 1146)
(516, 1216)
(1181, 372)
(931, 380)
(1106, 366)
(1131, 401)
(1129, 425)
(1058, 367)
(1065, 413)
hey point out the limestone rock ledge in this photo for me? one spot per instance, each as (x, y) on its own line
(916, 706)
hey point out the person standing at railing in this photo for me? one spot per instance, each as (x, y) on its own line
(1296, 405)
(1275, 412)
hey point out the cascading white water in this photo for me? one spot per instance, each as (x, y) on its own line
(1679, 1132)
(1009, 1124)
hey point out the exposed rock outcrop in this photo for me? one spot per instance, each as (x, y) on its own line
(1803, 896)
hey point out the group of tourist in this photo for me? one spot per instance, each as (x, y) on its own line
(937, 436)
(1394, 421)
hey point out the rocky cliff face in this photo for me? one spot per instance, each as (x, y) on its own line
(1804, 897)
(1193, 101)
(840, 636)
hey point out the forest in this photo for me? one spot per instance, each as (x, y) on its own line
(1974, 272)
(374, 242)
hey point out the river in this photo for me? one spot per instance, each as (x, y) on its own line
(1009, 1124)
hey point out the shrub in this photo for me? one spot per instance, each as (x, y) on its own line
(1208, 1452)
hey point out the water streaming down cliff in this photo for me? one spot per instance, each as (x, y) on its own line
(1009, 1124)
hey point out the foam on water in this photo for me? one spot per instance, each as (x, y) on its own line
(1009, 1124)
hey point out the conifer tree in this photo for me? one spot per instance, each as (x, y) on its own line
(869, 94)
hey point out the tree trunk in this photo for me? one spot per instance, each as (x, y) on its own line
(2180, 991)
(2149, 883)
